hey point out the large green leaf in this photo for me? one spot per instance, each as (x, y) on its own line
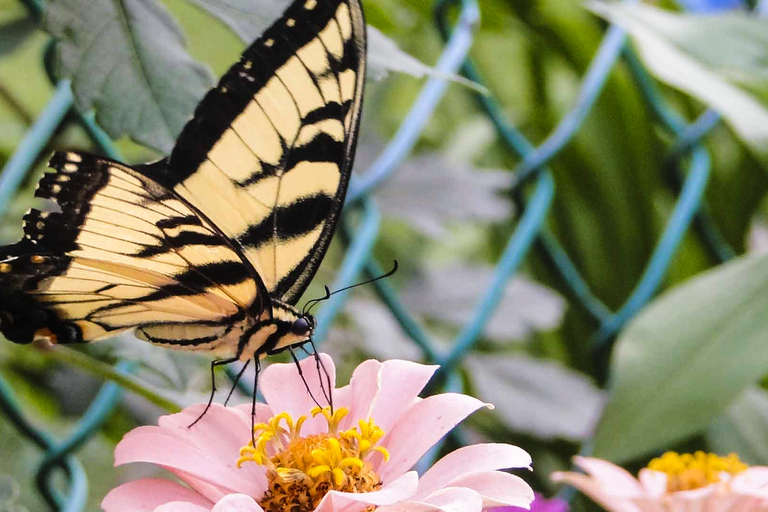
(685, 358)
(127, 59)
(721, 60)
(743, 428)
(248, 19)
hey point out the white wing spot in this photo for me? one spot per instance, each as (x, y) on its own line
(310, 4)
(269, 42)
(74, 157)
(56, 188)
(290, 22)
(70, 167)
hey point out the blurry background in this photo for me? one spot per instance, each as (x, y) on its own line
(628, 174)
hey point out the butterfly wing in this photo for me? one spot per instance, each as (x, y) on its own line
(268, 154)
(121, 252)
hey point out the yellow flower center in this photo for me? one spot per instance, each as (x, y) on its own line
(301, 470)
(691, 471)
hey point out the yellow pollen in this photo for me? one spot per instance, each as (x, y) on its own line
(692, 471)
(301, 470)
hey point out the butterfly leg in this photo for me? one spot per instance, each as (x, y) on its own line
(303, 379)
(253, 402)
(319, 365)
(237, 379)
(214, 364)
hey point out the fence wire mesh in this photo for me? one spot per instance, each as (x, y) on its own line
(532, 189)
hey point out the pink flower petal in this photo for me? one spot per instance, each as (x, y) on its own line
(479, 457)
(409, 506)
(456, 499)
(396, 491)
(219, 434)
(211, 492)
(420, 427)
(753, 481)
(496, 488)
(285, 391)
(453, 499)
(358, 395)
(601, 492)
(164, 447)
(400, 383)
(237, 503)
(617, 478)
(654, 482)
(149, 493)
(179, 506)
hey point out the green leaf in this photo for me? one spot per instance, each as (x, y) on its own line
(685, 358)
(536, 396)
(15, 32)
(248, 19)
(743, 428)
(127, 59)
(721, 60)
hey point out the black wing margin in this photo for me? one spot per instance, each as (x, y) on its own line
(268, 155)
(118, 251)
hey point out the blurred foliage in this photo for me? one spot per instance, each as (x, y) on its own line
(613, 198)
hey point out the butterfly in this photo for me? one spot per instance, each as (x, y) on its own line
(210, 248)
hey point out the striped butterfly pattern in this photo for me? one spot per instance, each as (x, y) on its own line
(210, 248)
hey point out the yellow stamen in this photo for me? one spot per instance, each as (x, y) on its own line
(301, 470)
(692, 471)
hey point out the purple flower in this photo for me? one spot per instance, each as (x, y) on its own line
(540, 504)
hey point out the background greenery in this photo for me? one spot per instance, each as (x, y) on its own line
(685, 374)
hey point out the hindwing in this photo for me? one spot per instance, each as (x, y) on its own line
(122, 251)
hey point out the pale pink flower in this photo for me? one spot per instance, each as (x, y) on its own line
(386, 422)
(673, 483)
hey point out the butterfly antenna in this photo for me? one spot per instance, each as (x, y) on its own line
(237, 379)
(303, 379)
(328, 293)
(311, 303)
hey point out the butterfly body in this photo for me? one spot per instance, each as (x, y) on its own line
(211, 248)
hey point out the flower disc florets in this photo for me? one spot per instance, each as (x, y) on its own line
(687, 471)
(301, 470)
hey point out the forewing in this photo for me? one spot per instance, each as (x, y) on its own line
(268, 154)
(121, 252)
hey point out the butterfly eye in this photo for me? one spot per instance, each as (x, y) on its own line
(300, 327)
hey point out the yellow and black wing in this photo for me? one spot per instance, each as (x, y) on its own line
(118, 251)
(192, 249)
(268, 154)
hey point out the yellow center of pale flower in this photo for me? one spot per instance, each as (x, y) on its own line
(691, 471)
(301, 470)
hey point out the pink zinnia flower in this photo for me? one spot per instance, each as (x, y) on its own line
(356, 458)
(674, 483)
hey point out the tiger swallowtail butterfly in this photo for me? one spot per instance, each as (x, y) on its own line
(210, 248)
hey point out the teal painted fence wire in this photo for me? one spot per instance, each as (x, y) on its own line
(532, 189)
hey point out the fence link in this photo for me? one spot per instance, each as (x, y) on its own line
(532, 189)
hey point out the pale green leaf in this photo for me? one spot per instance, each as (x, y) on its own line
(721, 60)
(248, 19)
(743, 428)
(685, 358)
(127, 60)
(536, 396)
